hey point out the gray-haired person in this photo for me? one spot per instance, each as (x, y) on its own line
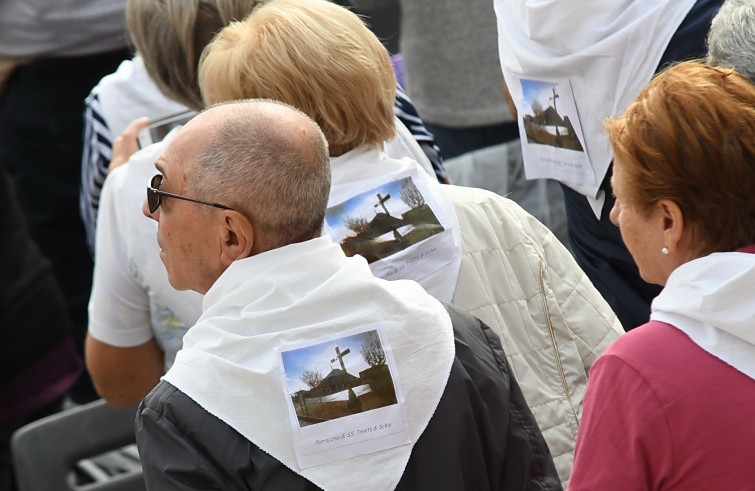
(731, 40)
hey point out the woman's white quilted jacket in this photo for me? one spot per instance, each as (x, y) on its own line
(520, 280)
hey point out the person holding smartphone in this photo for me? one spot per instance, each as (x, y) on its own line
(137, 320)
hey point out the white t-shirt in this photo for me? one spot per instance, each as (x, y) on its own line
(129, 93)
(132, 299)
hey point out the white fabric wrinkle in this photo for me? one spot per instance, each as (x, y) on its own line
(710, 299)
(364, 168)
(607, 50)
(238, 353)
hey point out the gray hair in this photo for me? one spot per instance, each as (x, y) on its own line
(269, 161)
(731, 40)
(170, 36)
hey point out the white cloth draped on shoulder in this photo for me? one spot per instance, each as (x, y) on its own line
(711, 300)
(434, 262)
(405, 145)
(304, 292)
(608, 50)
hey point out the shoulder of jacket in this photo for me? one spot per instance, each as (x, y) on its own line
(470, 331)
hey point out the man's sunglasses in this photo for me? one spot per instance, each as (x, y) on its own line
(155, 196)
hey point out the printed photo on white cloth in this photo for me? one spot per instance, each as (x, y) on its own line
(343, 396)
(394, 226)
(553, 143)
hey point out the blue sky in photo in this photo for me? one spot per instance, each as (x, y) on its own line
(363, 205)
(318, 357)
(537, 89)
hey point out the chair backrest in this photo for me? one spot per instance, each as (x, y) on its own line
(46, 451)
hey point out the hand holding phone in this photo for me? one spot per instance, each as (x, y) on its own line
(158, 128)
(126, 145)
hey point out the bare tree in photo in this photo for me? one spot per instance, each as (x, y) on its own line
(311, 377)
(537, 107)
(372, 350)
(357, 224)
(410, 194)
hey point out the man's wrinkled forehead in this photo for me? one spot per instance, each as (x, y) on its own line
(174, 162)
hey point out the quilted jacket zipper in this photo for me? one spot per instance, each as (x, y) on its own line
(561, 373)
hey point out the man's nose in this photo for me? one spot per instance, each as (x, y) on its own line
(145, 210)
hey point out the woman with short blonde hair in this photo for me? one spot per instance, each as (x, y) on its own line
(350, 84)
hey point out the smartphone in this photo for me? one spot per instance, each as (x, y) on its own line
(156, 130)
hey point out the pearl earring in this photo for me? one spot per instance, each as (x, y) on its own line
(665, 251)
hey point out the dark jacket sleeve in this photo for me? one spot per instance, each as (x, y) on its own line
(526, 462)
(184, 447)
(170, 458)
(483, 435)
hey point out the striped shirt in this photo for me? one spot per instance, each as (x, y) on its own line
(61, 28)
(405, 111)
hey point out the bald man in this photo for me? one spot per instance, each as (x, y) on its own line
(414, 396)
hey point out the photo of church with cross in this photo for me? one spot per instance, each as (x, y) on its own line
(547, 117)
(382, 221)
(357, 378)
(338, 379)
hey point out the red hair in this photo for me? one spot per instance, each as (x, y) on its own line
(689, 137)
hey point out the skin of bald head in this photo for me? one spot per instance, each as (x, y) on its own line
(270, 162)
(314, 55)
(266, 162)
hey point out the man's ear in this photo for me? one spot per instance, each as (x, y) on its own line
(237, 238)
(674, 231)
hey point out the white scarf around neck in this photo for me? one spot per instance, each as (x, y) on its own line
(304, 291)
(711, 300)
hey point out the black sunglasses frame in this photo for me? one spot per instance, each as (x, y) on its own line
(155, 196)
